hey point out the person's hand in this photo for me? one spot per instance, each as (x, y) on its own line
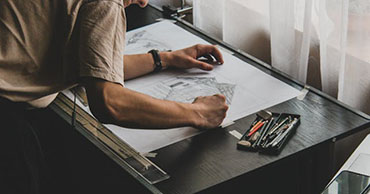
(211, 111)
(190, 57)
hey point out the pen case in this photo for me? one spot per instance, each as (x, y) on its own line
(269, 138)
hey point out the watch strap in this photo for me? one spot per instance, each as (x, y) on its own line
(157, 60)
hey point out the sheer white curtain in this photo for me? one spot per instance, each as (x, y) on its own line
(324, 43)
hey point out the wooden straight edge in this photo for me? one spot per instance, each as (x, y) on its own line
(92, 129)
(110, 145)
(106, 136)
(101, 132)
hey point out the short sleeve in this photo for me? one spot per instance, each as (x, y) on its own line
(102, 28)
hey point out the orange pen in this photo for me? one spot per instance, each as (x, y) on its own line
(256, 127)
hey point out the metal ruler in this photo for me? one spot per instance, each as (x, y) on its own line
(138, 165)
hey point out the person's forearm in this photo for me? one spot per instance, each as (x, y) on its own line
(128, 108)
(141, 64)
(156, 113)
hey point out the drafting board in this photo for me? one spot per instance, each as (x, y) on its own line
(248, 89)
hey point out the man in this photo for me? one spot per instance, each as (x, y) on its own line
(47, 46)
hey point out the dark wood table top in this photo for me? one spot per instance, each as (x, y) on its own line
(211, 158)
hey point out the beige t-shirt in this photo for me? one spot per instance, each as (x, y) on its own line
(46, 46)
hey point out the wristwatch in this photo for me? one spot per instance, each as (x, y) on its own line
(157, 60)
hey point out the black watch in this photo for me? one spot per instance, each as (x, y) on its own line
(157, 60)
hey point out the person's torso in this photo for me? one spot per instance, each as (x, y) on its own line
(37, 56)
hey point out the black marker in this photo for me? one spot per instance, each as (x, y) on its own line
(264, 130)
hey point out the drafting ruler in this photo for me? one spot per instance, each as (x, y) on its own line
(132, 161)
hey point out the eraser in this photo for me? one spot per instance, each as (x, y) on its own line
(245, 143)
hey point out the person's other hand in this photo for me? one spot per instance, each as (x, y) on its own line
(211, 111)
(191, 57)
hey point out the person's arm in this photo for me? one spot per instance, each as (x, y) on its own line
(141, 64)
(112, 103)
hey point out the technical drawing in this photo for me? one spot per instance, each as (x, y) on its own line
(141, 42)
(186, 89)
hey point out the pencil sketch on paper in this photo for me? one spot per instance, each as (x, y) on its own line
(142, 42)
(186, 89)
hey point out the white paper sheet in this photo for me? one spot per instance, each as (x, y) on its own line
(247, 88)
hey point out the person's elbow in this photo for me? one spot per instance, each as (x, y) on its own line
(100, 100)
(103, 111)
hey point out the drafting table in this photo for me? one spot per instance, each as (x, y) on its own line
(211, 163)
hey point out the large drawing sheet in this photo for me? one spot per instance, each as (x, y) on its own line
(247, 89)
